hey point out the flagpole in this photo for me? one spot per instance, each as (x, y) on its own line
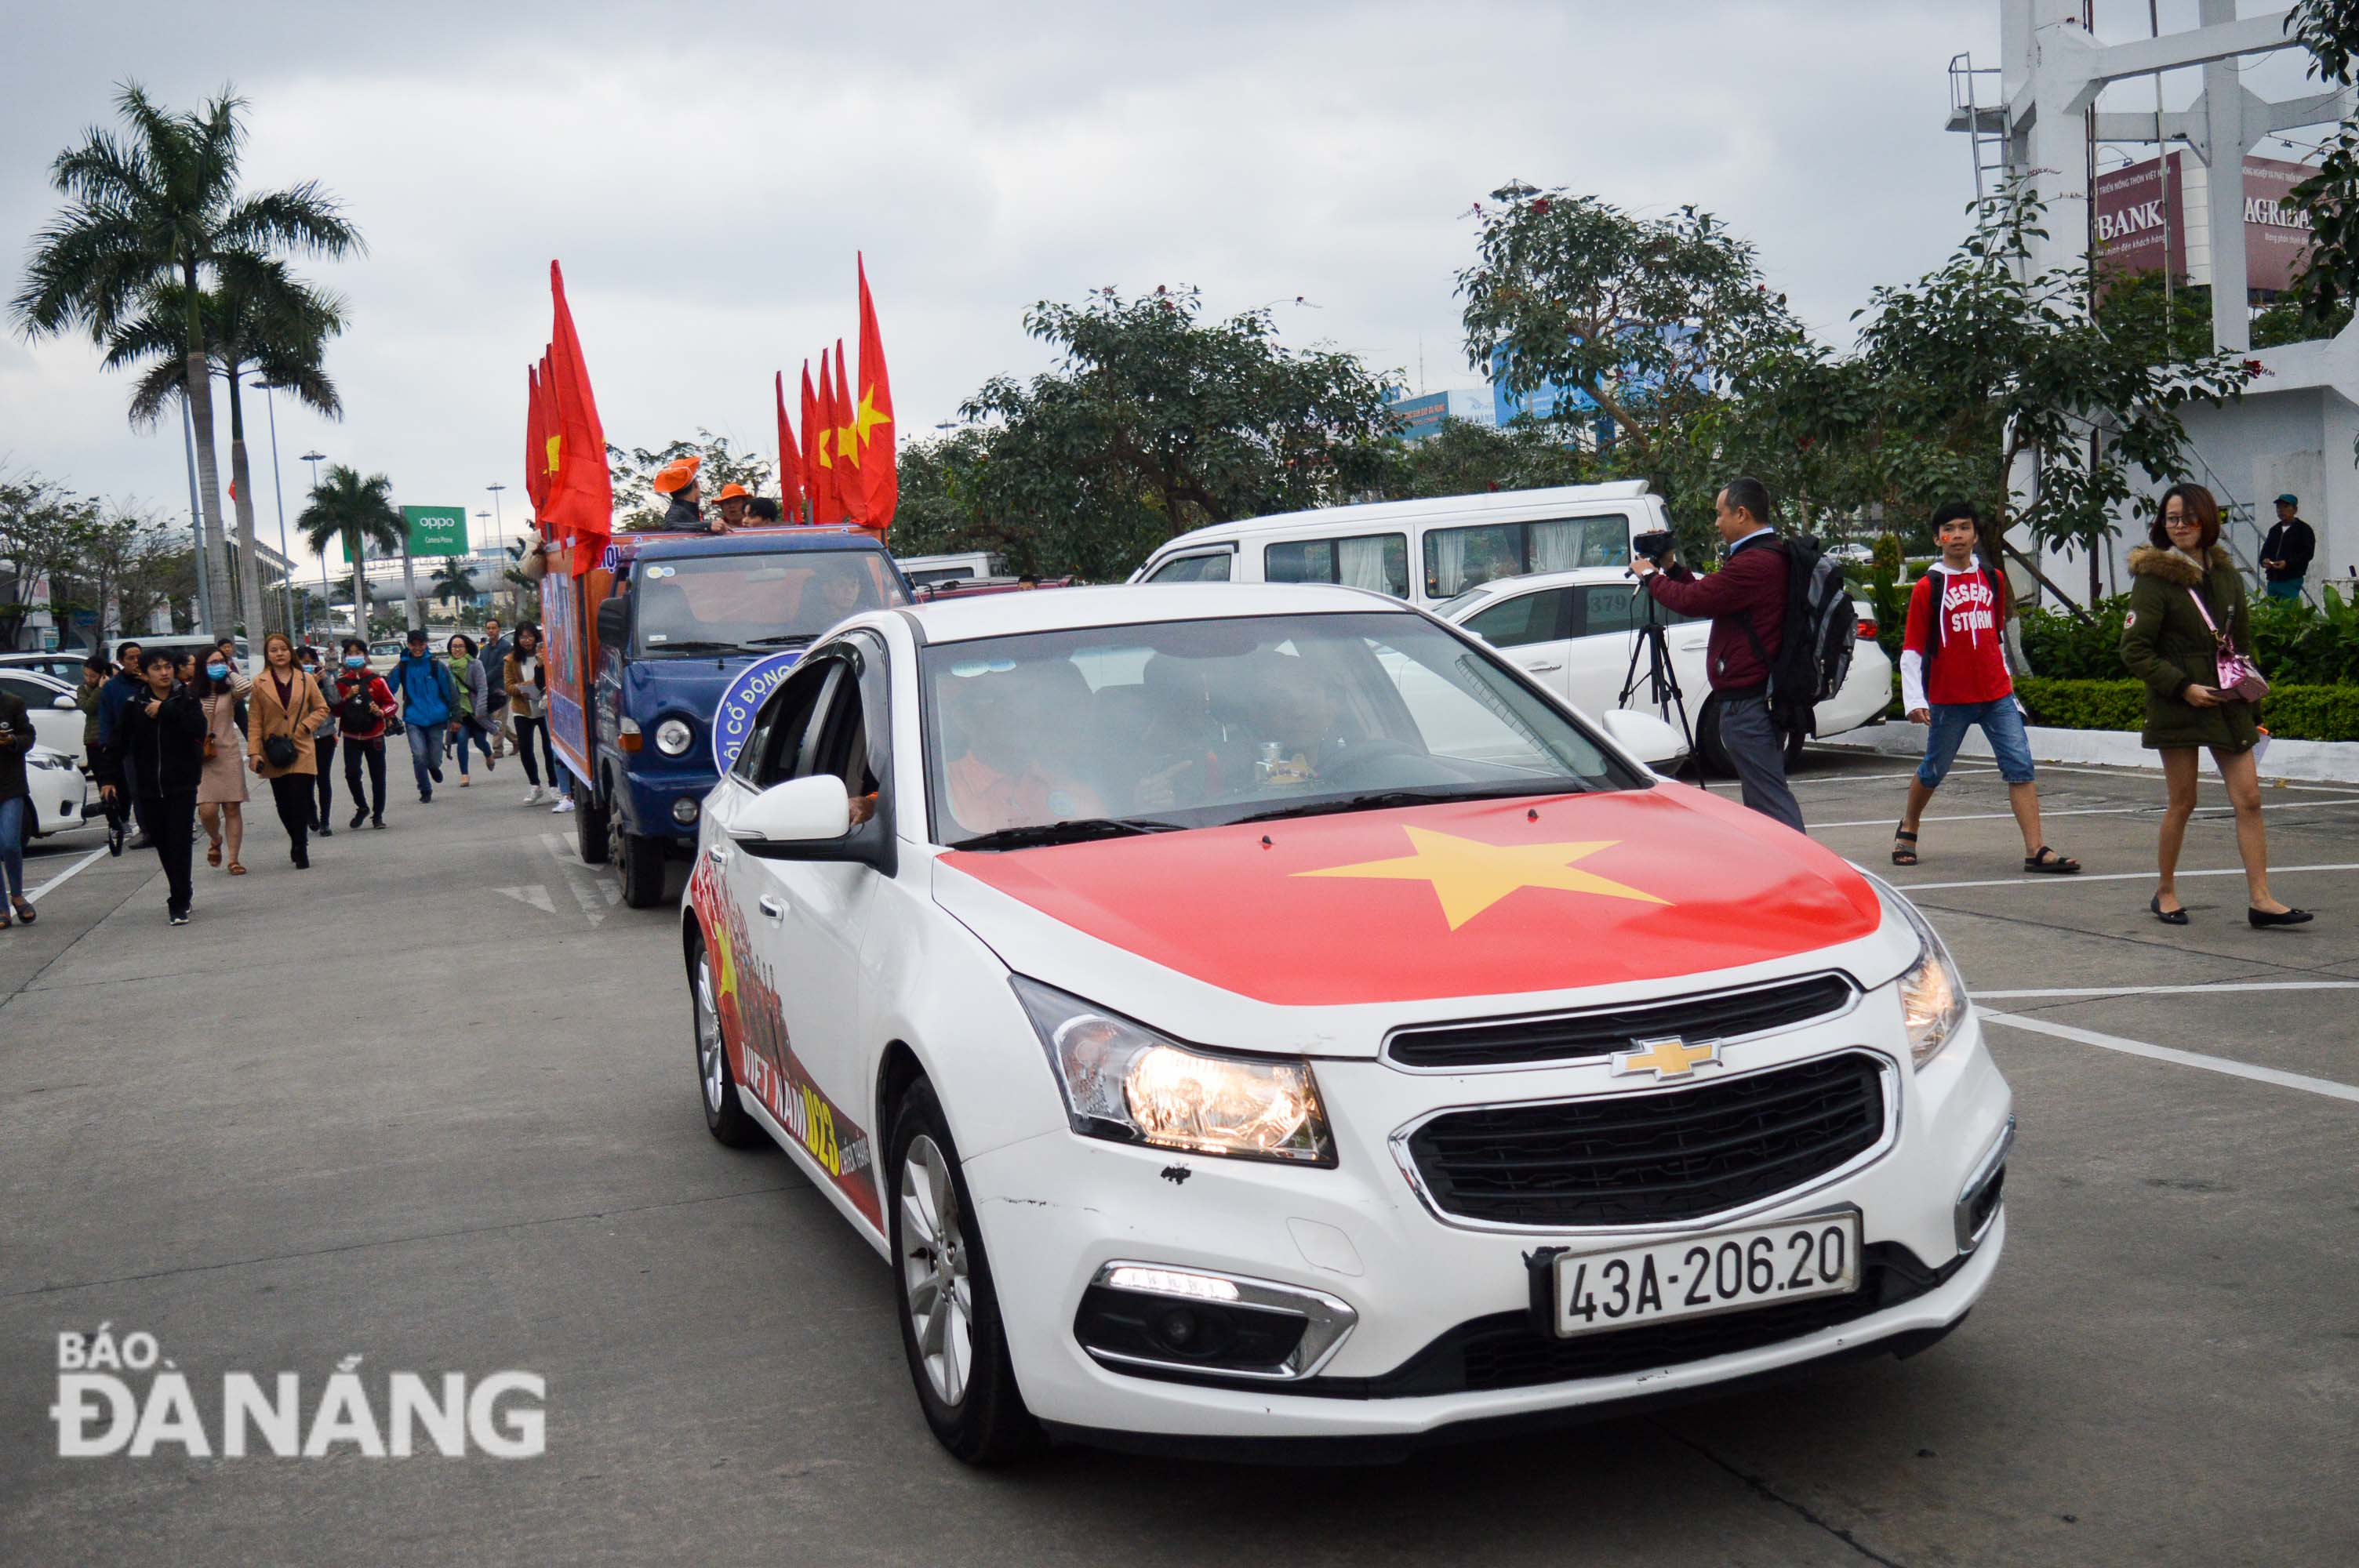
(204, 616)
(278, 492)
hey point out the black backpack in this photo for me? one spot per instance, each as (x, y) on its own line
(1820, 630)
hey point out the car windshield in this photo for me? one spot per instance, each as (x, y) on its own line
(698, 603)
(1196, 723)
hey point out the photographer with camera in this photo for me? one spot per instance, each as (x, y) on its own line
(1745, 600)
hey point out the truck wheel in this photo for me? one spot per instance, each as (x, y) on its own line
(589, 824)
(724, 1117)
(641, 862)
(948, 1310)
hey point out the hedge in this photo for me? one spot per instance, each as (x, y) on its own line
(2288, 712)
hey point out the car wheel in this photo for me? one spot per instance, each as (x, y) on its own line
(950, 1327)
(641, 862)
(724, 1117)
(589, 824)
(1711, 757)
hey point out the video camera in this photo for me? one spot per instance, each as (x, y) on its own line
(1654, 546)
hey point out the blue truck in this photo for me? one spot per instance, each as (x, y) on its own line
(658, 657)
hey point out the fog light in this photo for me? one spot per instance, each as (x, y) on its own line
(1222, 1326)
(683, 810)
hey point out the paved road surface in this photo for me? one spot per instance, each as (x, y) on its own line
(431, 1104)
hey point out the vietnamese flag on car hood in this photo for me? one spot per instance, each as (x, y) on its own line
(1475, 899)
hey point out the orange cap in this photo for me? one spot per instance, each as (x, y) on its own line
(678, 475)
(728, 491)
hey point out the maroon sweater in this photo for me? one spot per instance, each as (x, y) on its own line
(1750, 585)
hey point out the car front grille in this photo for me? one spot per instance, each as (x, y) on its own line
(1653, 1156)
(1599, 1031)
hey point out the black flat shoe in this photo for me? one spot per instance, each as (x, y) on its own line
(2168, 917)
(2262, 919)
(358, 817)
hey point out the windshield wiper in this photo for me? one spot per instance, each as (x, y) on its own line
(692, 645)
(787, 640)
(1073, 832)
(1379, 800)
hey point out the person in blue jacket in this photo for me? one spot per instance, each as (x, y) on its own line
(423, 684)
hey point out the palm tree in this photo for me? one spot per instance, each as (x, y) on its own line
(453, 581)
(261, 320)
(358, 512)
(156, 206)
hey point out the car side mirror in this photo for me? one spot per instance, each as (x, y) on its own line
(801, 811)
(615, 622)
(1644, 736)
(64, 702)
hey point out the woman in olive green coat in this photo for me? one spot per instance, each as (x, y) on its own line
(2176, 580)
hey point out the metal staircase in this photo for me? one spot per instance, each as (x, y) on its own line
(1983, 123)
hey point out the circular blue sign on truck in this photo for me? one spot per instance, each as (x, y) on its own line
(741, 699)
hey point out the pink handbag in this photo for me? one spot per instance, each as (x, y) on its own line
(2239, 676)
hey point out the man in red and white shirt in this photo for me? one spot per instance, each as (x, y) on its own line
(1953, 677)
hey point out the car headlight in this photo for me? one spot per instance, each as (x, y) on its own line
(1122, 1081)
(673, 737)
(1932, 995)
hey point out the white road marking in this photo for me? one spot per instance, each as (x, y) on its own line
(2113, 876)
(2174, 991)
(578, 878)
(2206, 813)
(2302, 1081)
(1879, 778)
(534, 895)
(35, 896)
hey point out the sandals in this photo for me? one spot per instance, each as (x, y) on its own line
(235, 869)
(212, 853)
(2048, 860)
(25, 915)
(1904, 853)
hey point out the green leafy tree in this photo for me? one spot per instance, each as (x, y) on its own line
(159, 205)
(260, 323)
(2323, 291)
(1982, 366)
(39, 523)
(1466, 459)
(359, 512)
(1656, 320)
(1154, 421)
(453, 581)
(636, 504)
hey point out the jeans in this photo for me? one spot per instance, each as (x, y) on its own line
(526, 729)
(2001, 720)
(471, 728)
(171, 823)
(323, 751)
(426, 754)
(2290, 589)
(1754, 744)
(373, 750)
(12, 814)
(291, 792)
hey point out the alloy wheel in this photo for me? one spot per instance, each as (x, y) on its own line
(934, 1270)
(712, 1065)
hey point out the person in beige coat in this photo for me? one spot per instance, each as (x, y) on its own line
(285, 705)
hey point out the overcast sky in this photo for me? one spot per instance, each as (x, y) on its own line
(705, 171)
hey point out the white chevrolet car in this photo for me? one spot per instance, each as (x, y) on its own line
(1220, 1060)
(1574, 632)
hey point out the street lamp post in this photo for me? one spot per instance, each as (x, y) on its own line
(278, 493)
(499, 519)
(327, 594)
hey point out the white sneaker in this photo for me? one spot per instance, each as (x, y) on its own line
(564, 805)
(533, 798)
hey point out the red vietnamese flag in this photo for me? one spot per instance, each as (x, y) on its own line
(535, 440)
(872, 430)
(851, 489)
(582, 502)
(826, 476)
(791, 462)
(812, 477)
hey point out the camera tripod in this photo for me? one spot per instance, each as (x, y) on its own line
(1662, 680)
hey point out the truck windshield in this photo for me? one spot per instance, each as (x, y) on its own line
(699, 603)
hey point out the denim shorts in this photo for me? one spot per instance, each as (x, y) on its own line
(2001, 720)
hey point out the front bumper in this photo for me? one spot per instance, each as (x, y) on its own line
(650, 789)
(1056, 1209)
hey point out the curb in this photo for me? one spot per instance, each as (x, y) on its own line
(2307, 762)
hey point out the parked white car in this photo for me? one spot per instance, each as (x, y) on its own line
(1574, 632)
(57, 718)
(1218, 1060)
(57, 790)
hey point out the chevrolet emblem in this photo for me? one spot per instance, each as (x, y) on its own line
(1668, 1058)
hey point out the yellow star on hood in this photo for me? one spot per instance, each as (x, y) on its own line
(1469, 876)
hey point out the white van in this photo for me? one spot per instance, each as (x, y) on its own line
(1423, 551)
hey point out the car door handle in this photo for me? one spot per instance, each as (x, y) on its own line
(772, 908)
(1543, 669)
(719, 853)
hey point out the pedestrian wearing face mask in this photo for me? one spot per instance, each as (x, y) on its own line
(221, 786)
(364, 703)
